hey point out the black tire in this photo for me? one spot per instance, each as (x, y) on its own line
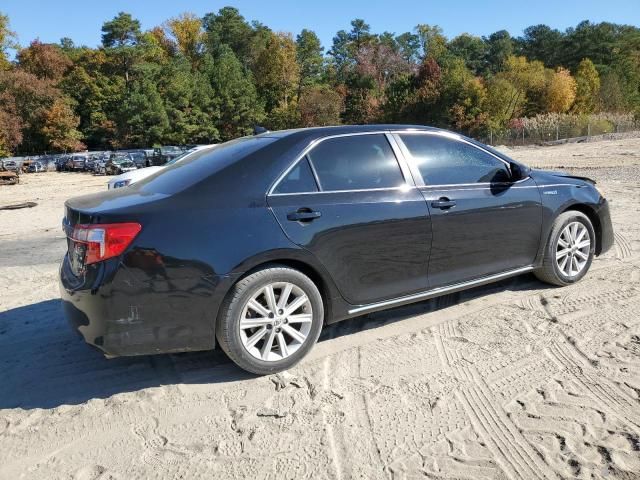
(228, 323)
(550, 272)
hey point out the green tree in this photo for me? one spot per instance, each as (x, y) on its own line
(504, 102)
(228, 27)
(236, 95)
(360, 34)
(8, 40)
(120, 36)
(528, 80)
(309, 57)
(190, 103)
(499, 48)
(594, 41)
(587, 87)
(409, 47)
(542, 43)
(122, 31)
(612, 96)
(432, 41)
(144, 117)
(472, 49)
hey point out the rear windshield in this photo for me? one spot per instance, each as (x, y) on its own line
(199, 165)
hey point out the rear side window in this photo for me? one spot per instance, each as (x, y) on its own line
(444, 161)
(355, 163)
(298, 180)
(199, 165)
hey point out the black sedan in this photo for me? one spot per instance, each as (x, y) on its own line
(258, 243)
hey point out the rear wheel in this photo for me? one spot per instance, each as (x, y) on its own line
(270, 320)
(569, 250)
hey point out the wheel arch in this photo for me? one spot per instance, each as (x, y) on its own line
(299, 260)
(590, 212)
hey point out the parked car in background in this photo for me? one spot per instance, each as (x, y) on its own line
(101, 161)
(256, 244)
(134, 176)
(139, 157)
(26, 163)
(90, 163)
(36, 167)
(119, 163)
(10, 165)
(77, 163)
(162, 155)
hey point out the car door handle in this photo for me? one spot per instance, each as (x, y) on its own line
(303, 215)
(443, 203)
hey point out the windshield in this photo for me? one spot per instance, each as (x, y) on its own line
(201, 164)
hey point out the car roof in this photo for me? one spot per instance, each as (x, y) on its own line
(318, 132)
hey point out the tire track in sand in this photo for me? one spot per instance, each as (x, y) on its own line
(611, 398)
(331, 437)
(509, 447)
(622, 246)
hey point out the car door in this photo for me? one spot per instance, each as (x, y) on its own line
(350, 202)
(482, 222)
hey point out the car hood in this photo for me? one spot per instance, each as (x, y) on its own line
(552, 175)
(135, 175)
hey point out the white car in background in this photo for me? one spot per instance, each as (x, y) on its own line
(134, 176)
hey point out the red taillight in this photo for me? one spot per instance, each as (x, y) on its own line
(104, 241)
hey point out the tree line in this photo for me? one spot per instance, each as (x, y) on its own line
(205, 80)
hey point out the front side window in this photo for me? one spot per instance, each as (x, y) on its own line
(298, 180)
(444, 161)
(356, 162)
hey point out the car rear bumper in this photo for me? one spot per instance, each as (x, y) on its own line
(121, 315)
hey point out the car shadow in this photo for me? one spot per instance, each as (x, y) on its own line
(44, 364)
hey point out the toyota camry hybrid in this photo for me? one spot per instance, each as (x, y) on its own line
(256, 244)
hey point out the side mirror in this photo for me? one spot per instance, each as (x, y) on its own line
(518, 172)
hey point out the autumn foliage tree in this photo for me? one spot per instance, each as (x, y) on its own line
(59, 127)
(45, 61)
(209, 79)
(560, 91)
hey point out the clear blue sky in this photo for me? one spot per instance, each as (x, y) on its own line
(81, 20)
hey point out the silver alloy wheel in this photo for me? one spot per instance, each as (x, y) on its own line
(573, 249)
(276, 321)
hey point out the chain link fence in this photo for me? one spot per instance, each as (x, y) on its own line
(550, 128)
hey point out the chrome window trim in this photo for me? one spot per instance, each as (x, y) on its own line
(483, 186)
(400, 159)
(435, 292)
(402, 188)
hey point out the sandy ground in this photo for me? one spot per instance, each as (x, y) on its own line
(514, 380)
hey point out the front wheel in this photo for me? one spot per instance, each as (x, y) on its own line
(569, 250)
(270, 320)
